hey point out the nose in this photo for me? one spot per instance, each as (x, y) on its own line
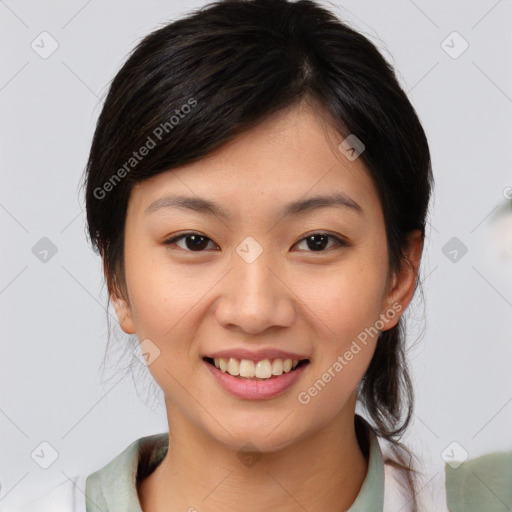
(255, 295)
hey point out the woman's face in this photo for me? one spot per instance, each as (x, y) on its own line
(251, 285)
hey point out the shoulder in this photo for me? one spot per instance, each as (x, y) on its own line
(68, 496)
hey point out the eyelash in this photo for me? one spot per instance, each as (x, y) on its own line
(341, 243)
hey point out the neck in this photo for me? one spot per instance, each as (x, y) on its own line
(323, 471)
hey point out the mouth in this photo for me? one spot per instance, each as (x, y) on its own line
(261, 370)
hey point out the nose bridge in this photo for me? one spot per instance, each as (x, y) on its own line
(256, 298)
(252, 264)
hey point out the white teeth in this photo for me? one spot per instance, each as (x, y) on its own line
(263, 369)
(246, 368)
(277, 367)
(233, 367)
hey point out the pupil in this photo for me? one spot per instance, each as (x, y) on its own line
(319, 244)
(199, 242)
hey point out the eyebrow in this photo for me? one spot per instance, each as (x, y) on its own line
(298, 207)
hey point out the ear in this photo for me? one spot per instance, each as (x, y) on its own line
(121, 306)
(124, 314)
(403, 283)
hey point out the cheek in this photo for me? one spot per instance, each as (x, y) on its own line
(160, 295)
(345, 305)
(345, 300)
(163, 304)
(346, 308)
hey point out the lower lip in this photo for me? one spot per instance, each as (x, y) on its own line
(256, 389)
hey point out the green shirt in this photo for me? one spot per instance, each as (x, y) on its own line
(113, 487)
(483, 484)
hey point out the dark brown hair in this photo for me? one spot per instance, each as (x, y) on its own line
(198, 82)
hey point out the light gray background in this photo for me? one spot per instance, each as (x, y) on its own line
(53, 322)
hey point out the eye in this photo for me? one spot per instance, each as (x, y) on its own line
(317, 241)
(194, 242)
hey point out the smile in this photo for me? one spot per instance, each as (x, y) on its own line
(258, 370)
(262, 379)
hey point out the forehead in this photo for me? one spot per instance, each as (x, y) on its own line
(291, 156)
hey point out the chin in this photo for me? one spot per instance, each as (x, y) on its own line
(266, 436)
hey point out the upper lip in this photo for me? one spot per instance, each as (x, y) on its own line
(256, 355)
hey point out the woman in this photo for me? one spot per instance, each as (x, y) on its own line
(257, 188)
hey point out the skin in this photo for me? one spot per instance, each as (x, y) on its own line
(189, 303)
